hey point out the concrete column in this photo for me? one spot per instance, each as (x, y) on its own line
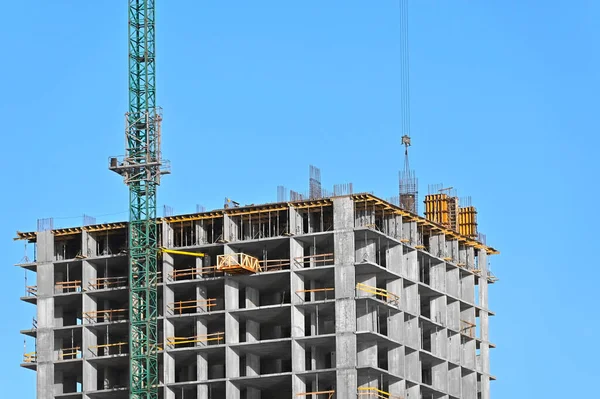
(295, 222)
(252, 298)
(470, 257)
(437, 276)
(452, 281)
(438, 309)
(454, 379)
(232, 336)
(168, 327)
(252, 331)
(366, 249)
(437, 245)
(297, 316)
(439, 375)
(410, 265)
(412, 369)
(90, 373)
(345, 306)
(469, 386)
(366, 355)
(45, 315)
(88, 245)
(366, 312)
(409, 232)
(484, 325)
(230, 229)
(410, 298)
(200, 232)
(394, 259)
(452, 249)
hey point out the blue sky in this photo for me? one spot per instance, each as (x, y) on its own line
(504, 100)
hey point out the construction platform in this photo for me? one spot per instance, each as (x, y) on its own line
(340, 297)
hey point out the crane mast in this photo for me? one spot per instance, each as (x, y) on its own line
(141, 168)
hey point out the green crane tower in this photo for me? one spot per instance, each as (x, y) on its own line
(141, 168)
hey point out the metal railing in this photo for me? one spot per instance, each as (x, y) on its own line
(108, 315)
(206, 339)
(380, 293)
(314, 260)
(202, 304)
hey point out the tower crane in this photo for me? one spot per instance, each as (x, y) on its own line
(141, 168)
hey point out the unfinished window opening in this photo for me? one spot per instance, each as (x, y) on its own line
(67, 278)
(424, 269)
(69, 344)
(319, 356)
(67, 311)
(113, 377)
(382, 358)
(111, 309)
(370, 248)
(277, 326)
(377, 218)
(186, 392)
(262, 224)
(426, 373)
(68, 379)
(198, 331)
(425, 339)
(110, 340)
(189, 267)
(272, 255)
(185, 367)
(317, 219)
(110, 274)
(425, 306)
(320, 290)
(188, 301)
(67, 247)
(317, 251)
(111, 242)
(319, 319)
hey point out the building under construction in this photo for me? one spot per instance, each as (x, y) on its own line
(345, 296)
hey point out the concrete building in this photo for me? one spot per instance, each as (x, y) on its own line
(339, 297)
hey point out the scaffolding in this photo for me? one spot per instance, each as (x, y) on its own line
(238, 263)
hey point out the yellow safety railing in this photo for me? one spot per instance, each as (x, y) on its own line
(329, 393)
(68, 286)
(217, 337)
(316, 290)
(180, 306)
(192, 273)
(384, 295)
(118, 345)
(317, 260)
(372, 392)
(30, 357)
(238, 263)
(108, 315)
(69, 353)
(274, 264)
(108, 282)
(467, 328)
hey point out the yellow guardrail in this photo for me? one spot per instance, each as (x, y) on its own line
(378, 292)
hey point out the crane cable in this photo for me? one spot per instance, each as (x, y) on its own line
(404, 81)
